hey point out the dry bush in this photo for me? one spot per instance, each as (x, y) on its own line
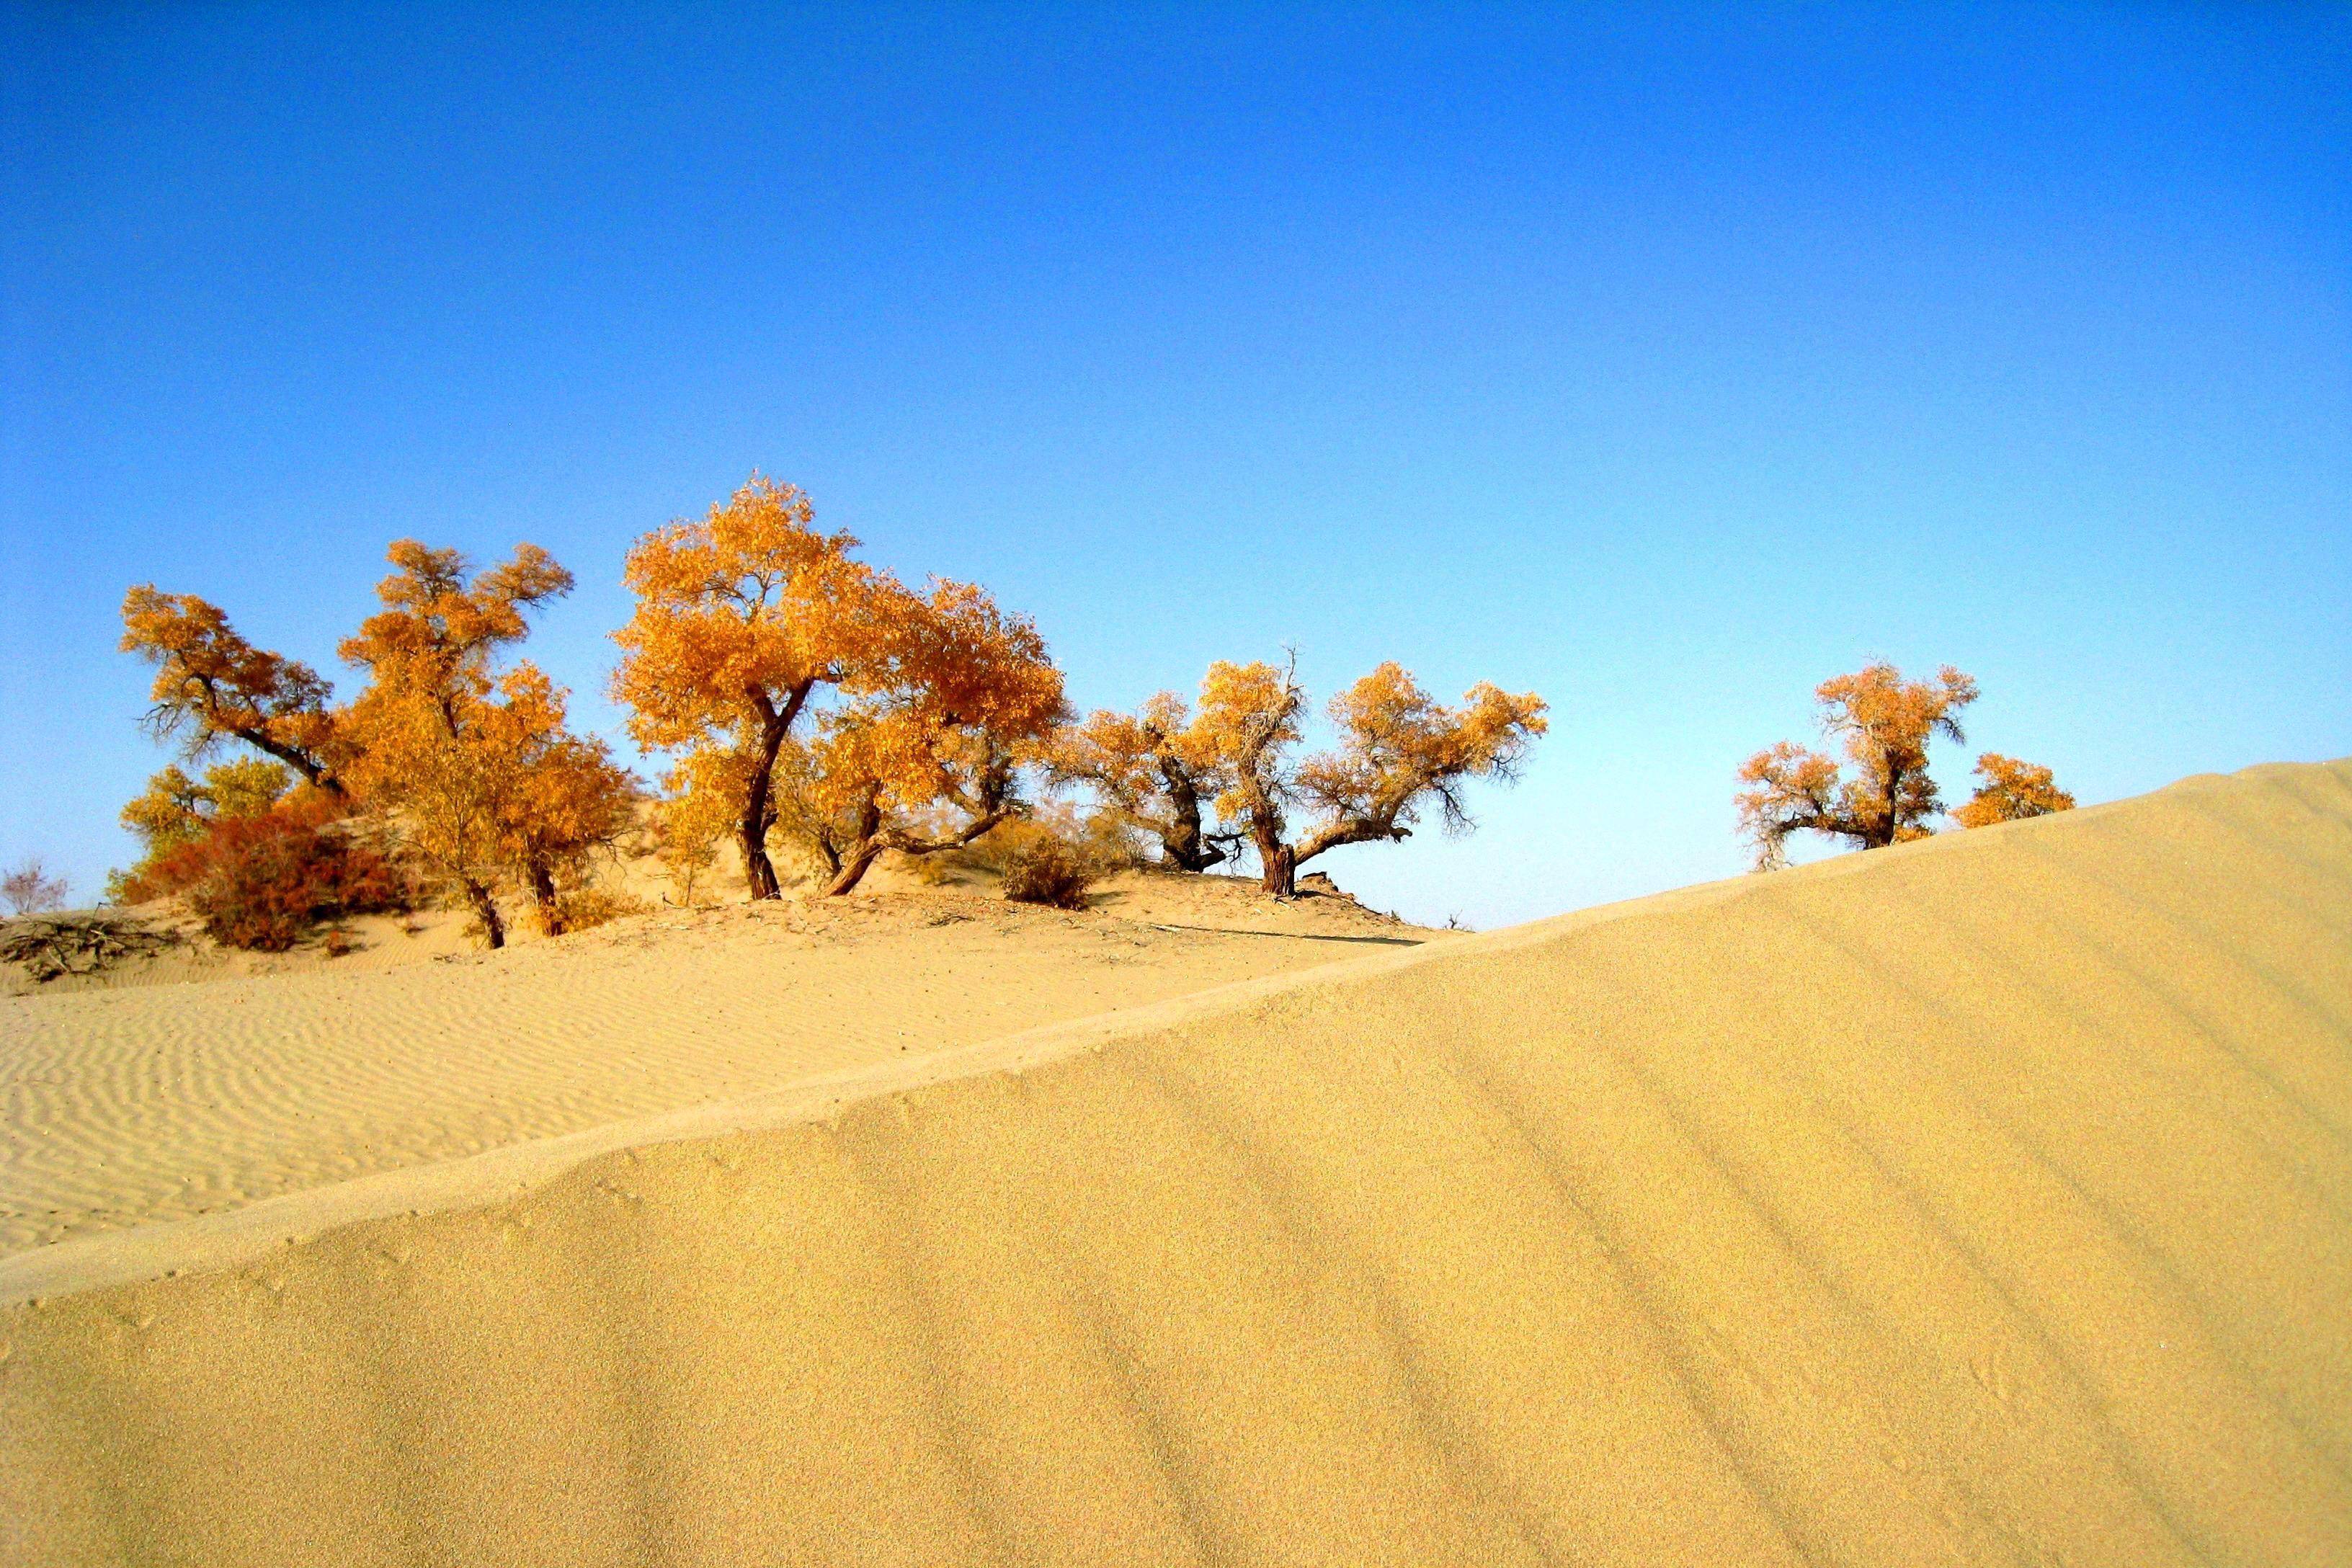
(1101, 843)
(1047, 871)
(583, 909)
(29, 890)
(263, 882)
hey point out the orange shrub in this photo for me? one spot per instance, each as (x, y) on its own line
(262, 882)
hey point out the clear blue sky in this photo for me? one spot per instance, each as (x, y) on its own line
(1662, 361)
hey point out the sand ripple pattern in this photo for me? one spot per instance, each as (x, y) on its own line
(127, 1107)
(1986, 1201)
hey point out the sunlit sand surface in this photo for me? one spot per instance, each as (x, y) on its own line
(1986, 1200)
(156, 1100)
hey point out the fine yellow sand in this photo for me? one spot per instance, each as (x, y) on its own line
(1984, 1200)
(131, 1100)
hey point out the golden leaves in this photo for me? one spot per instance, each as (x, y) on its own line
(1886, 723)
(2012, 791)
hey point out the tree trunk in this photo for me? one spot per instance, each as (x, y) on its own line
(854, 868)
(775, 723)
(486, 909)
(1281, 879)
(314, 773)
(759, 872)
(1182, 842)
(867, 847)
(542, 891)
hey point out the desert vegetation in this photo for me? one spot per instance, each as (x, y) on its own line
(30, 890)
(446, 773)
(1206, 784)
(810, 705)
(1884, 725)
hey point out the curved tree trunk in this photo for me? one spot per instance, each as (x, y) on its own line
(486, 909)
(854, 868)
(759, 872)
(1182, 841)
(314, 772)
(850, 868)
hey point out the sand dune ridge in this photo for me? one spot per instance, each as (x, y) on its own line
(1986, 1200)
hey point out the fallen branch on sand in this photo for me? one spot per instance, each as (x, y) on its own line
(49, 946)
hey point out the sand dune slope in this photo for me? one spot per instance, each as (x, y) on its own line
(162, 1101)
(1982, 1201)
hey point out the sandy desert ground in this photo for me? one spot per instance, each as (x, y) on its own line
(142, 1094)
(1986, 1200)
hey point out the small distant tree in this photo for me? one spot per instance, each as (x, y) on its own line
(1399, 751)
(700, 807)
(212, 686)
(740, 618)
(1886, 723)
(29, 890)
(929, 759)
(2011, 792)
(560, 796)
(1152, 772)
(479, 768)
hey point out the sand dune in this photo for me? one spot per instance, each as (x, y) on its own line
(120, 1107)
(1984, 1200)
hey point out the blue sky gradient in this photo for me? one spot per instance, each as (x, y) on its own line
(1663, 361)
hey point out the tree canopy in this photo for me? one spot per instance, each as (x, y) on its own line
(2012, 791)
(927, 756)
(212, 686)
(1886, 723)
(1153, 773)
(490, 783)
(1398, 753)
(741, 617)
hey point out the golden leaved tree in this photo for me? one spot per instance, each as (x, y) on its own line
(740, 618)
(176, 809)
(927, 755)
(1886, 722)
(1153, 772)
(2012, 791)
(1399, 751)
(480, 767)
(212, 686)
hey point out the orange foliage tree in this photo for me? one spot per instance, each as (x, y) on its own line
(176, 810)
(740, 618)
(212, 686)
(480, 768)
(1399, 750)
(2011, 792)
(927, 755)
(1154, 772)
(1886, 722)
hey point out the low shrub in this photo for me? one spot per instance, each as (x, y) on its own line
(1047, 871)
(262, 882)
(584, 909)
